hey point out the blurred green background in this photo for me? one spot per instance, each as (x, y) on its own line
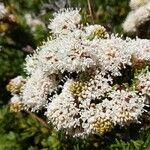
(25, 131)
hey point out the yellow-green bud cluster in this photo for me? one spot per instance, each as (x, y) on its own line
(96, 31)
(16, 107)
(77, 87)
(102, 126)
(100, 32)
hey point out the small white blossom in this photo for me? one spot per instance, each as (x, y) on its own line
(126, 107)
(36, 90)
(97, 31)
(144, 85)
(16, 84)
(64, 21)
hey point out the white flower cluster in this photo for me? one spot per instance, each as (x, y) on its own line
(15, 84)
(82, 77)
(3, 10)
(139, 14)
(15, 87)
(70, 20)
(144, 84)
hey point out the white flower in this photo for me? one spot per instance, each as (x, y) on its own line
(62, 111)
(16, 104)
(97, 31)
(16, 84)
(35, 91)
(85, 104)
(144, 85)
(83, 82)
(140, 48)
(64, 21)
(136, 18)
(126, 107)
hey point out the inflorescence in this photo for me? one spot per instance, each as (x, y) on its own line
(86, 80)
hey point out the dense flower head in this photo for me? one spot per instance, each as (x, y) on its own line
(15, 85)
(16, 104)
(139, 14)
(98, 31)
(86, 80)
(64, 21)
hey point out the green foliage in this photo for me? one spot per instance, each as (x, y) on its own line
(131, 145)
(139, 142)
(11, 64)
(9, 142)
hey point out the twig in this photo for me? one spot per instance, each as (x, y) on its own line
(38, 119)
(90, 10)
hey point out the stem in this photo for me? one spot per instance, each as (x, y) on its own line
(90, 10)
(45, 124)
